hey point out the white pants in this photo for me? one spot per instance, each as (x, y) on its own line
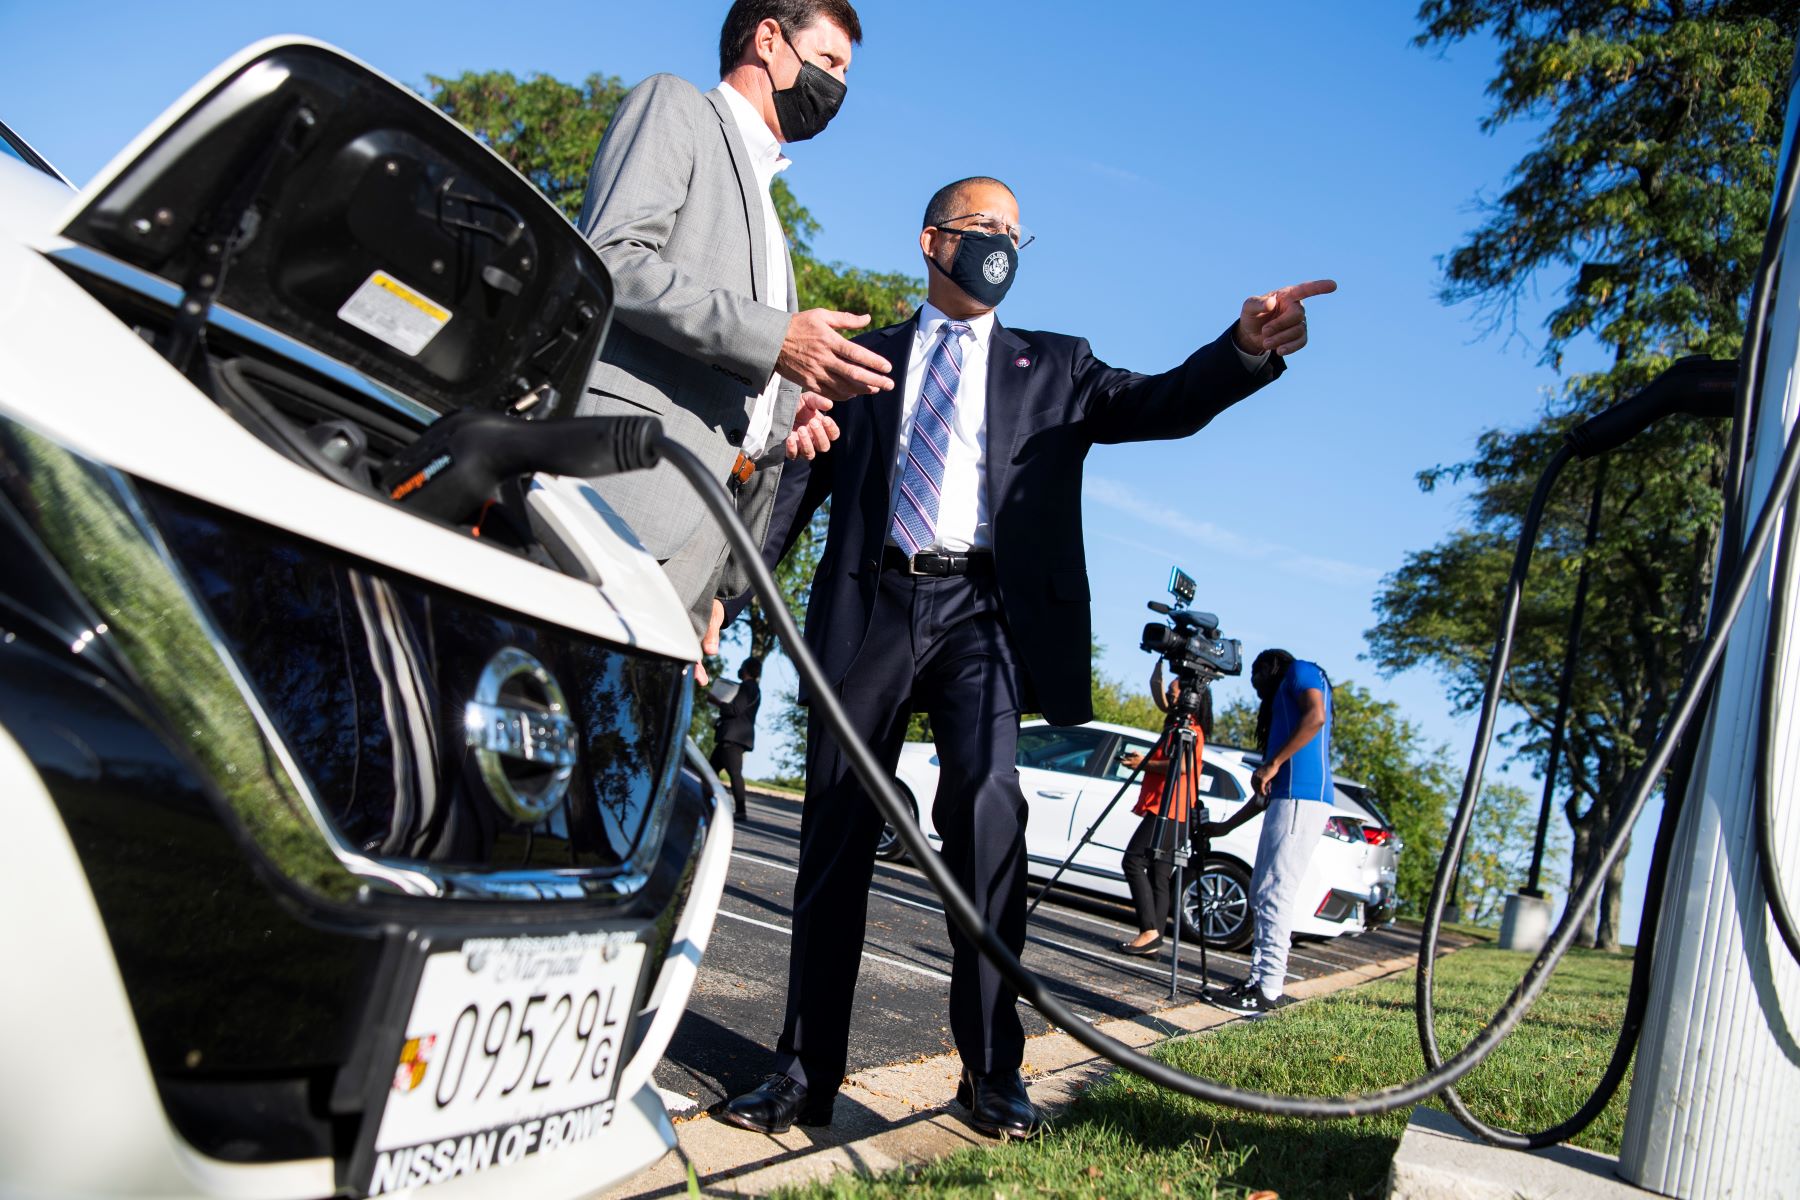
(1290, 833)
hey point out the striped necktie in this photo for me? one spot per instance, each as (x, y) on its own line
(922, 474)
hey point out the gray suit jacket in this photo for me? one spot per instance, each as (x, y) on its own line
(673, 208)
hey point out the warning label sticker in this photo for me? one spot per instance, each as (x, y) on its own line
(387, 309)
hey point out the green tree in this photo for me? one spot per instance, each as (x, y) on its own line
(545, 128)
(548, 130)
(1643, 202)
(1498, 857)
(1114, 700)
(1234, 724)
(1373, 744)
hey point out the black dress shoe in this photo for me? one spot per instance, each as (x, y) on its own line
(1144, 951)
(998, 1105)
(778, 1103)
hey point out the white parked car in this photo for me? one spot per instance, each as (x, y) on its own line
(1069, 775)
(347, 851)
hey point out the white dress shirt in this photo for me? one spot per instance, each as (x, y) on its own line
(963, 516)
(964, 520)
(766, 162)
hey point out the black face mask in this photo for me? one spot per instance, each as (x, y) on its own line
(984, 266)
(806, 108)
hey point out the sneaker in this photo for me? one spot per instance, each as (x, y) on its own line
(1244, 1000)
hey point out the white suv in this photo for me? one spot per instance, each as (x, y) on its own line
(1070, 774)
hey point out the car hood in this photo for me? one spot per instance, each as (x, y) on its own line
(299, 188)
(30, 200)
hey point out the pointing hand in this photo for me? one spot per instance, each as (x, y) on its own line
(1277, 320)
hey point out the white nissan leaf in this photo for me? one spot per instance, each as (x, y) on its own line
(348, 851)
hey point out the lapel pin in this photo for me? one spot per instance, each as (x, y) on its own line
(1021, 361)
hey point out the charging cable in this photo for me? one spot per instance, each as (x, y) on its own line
(961, 910)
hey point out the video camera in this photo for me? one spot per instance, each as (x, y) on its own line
(1190, 641)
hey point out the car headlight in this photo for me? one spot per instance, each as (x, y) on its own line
(367, 729)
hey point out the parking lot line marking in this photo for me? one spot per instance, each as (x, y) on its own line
(782, 930)
(1163, 972)
(906, 966)
(868, 954)
(1322, 962)
(908, 900)
(915, 873)
(766, 862)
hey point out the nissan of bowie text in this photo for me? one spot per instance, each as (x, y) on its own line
(348, 852)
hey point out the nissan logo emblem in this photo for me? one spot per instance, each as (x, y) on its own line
(519, 731)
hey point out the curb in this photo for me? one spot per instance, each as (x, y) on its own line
(896, 1116)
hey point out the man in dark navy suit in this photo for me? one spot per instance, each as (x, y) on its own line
(954, 582)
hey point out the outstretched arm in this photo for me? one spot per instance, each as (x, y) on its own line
(1124, 406)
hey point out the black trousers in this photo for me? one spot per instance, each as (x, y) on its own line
(1147, 874)
(939, 646)
(729, 756)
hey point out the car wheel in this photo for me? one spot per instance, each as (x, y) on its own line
(1226, 888)
(890, 847)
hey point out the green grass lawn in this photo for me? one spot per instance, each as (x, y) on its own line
(1126, 1138)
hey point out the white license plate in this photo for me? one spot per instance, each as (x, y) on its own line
(512, 1049)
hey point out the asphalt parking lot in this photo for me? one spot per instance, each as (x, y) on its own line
(724, 1044)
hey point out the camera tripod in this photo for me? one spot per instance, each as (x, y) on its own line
(1170, 841)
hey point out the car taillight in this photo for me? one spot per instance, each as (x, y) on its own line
(1377, 836)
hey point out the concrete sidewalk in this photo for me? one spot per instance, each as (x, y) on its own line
(896, 1116)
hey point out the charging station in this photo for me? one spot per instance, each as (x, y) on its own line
(1715, 1099)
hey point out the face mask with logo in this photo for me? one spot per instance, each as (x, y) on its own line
(984, 266)
(806, 108)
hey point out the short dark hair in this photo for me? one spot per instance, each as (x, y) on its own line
(943, 202)
(752, 668)
(791, 15)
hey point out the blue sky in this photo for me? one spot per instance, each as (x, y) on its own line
(1173, 158)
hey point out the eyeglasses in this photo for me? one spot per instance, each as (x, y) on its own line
(982, 222)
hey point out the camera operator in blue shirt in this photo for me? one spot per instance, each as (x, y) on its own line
(1294, 791)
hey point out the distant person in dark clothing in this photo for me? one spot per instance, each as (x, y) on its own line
(736, 731)
(1146, 863)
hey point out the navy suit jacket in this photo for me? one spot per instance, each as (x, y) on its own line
(1048, 401)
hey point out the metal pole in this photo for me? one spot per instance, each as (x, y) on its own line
(1182, 773)
(1715, 1096)
(1565, 686)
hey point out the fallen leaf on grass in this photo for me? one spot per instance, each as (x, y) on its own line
(1265, 1194)
(1093, 1172)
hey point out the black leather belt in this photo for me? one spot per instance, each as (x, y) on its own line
(939, 563)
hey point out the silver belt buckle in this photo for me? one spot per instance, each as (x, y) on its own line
(912, 567)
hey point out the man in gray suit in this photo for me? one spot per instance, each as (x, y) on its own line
(706, 334)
